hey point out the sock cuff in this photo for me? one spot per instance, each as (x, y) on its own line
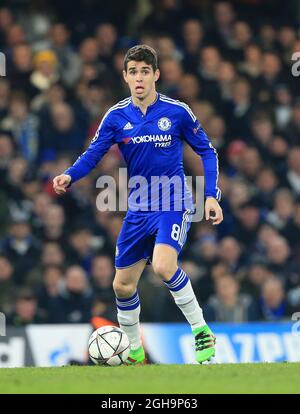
(177, 281)
(130, 303)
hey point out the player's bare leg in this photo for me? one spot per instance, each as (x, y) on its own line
(128, 305)
(165, 266)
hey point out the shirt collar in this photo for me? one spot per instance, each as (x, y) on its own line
(149, 106)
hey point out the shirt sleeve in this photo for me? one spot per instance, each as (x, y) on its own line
(100, 144)
(196, 137)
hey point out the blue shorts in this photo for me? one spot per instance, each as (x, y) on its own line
(142, 230)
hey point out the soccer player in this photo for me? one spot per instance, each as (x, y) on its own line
(149, 129)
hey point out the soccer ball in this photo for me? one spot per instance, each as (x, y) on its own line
(109, 345)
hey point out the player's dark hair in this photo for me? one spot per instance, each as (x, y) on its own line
(141, 53)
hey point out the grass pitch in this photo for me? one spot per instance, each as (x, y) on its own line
(154, 379)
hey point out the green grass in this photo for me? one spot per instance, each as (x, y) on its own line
(154, 379)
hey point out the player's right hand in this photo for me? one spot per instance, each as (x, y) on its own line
(60, 183)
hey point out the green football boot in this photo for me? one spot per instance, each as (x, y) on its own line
(205, 342)
(136, 357)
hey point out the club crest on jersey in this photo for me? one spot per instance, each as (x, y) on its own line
(164, 124)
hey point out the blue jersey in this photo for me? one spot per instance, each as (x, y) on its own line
(152, 147)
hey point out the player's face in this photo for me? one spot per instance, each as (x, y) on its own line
(140, 78)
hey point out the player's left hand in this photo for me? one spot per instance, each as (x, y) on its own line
(213, 211)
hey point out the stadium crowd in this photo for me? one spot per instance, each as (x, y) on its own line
(231, 62)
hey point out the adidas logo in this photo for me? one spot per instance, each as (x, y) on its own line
(128, 126)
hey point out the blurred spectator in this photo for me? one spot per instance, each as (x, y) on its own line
(262, 133)
(235, 153)
(164, 18)
(240, 39)
(278, 151)
(266, 185)
(22, 67)
(94, 99)
(189, 89)
(21, 249)
(102, 275)
(74, 301)
(293, 127)
(252, 65)
(69, 63)
(226, 77)
(7, 286)
(267, 37)
(52, 283)
(4, 97)
(25, 310)
(224, 16)
(166, 48)
(41, 204)
(36, 20)
(293, 173)
(15, 35)
(6, 21)
(23, 126)
(216, 129)
(240, 109)
(171, 74)
(256, 276)
(286, 38)
(283, 211)
(251, 163)
(272, 304)
(81, 247)
(6, 151)
(89, 51)
(265, 234)
(13, 181)
(45, 71)
(203, 110)
(283, 106)
(281, 264)
(192, 35)
(230, 253)
(292, 231)
(52, 254)
(270, 76)
(228, 305)
(248, 222)
(54, 224)
(208, 69)
(64, 133)
(106, 36)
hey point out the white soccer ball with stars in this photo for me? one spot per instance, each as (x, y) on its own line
(108, 345)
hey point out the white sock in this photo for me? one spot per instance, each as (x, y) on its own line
(129, 319)
(182, 291)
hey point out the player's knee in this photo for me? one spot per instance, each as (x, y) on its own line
(163, 270)
(123, 290)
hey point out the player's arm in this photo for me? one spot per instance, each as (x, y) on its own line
(100, 144)
(196, 137)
